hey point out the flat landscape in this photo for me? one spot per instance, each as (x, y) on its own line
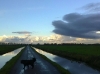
(89, 54)
(65, 33)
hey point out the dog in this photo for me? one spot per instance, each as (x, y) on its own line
(28, 62)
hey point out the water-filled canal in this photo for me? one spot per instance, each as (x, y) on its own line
(6, 57)
(73, 66)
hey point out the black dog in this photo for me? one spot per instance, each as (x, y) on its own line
(28, 62)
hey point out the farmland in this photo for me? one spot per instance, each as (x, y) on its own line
(8, 48)
(90, 54)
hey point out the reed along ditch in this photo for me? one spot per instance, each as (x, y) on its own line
(73, 66)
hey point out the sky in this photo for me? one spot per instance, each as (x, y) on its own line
(50, 21)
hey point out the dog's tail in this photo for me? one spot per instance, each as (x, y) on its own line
(34, 59)
(21, 61)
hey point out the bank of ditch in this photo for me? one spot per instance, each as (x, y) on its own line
(9, 64)
(57, 66)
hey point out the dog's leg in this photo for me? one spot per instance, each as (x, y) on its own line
(28, 66)
(32, 66)
(24, 66)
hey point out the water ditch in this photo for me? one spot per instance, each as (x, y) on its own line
(73, 66)
(7, 56)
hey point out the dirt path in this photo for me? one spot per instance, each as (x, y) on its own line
(40, 67)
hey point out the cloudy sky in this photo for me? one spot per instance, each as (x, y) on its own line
(50, 21)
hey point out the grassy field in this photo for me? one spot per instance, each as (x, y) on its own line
(78, 49)
(8, 66)
(8, 48)
(90, 54)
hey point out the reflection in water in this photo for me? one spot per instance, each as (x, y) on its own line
(6, 57)
(73, 66)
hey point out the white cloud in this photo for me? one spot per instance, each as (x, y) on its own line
(54, 38)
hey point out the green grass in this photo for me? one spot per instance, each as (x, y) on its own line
(78, 49)
(8, 66)
(90, 54)
(57, 66)
(8, 48)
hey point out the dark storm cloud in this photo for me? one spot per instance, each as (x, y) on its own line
(22, 32)
(92, 7)
(77, 25)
